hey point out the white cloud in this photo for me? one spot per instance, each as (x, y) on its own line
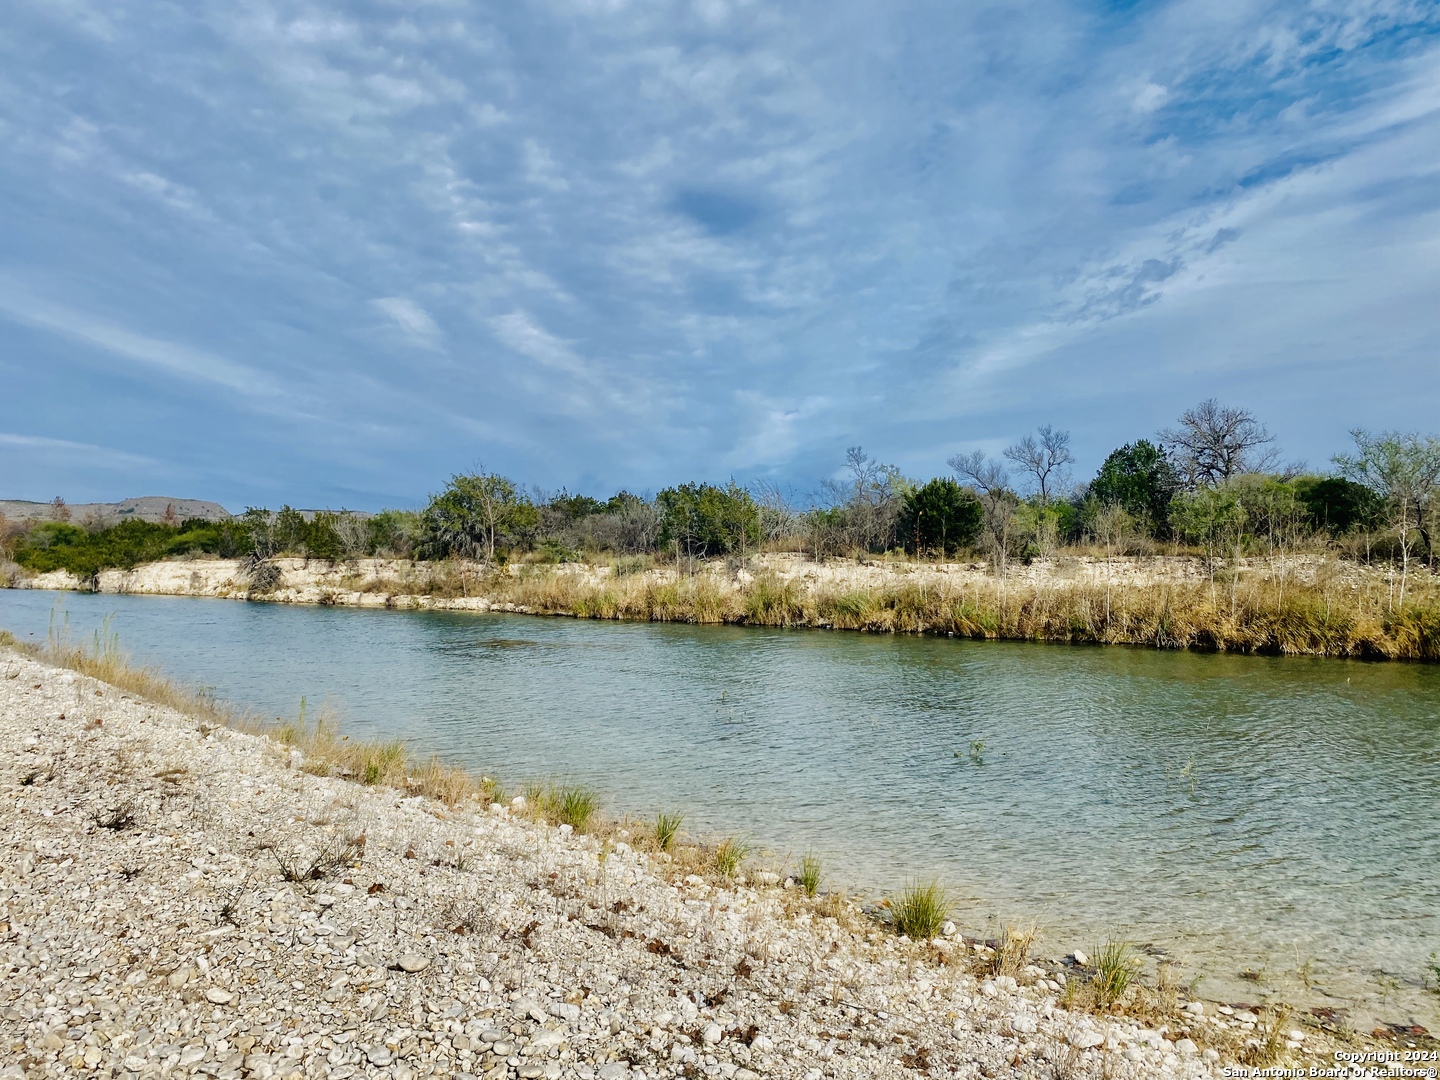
(525, 336)
(410, 317)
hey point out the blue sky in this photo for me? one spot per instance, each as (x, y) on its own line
(328, 254)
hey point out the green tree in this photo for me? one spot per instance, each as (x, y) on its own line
(1403, 469)
(475, 514)
(1336, 505)
(1140, 479)
(940, 517)
(1214, 518)
(703, 519)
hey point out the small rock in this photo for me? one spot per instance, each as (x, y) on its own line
(518, 802)
(1211, 1055)
(711, 1034)
(762, 1044)
(694, 880)
(379, 1055)
(948, 929)
(1296, 1035)
(531, 1072)
(324, 899)
(566, 830)
(412, 962)
(766, 877)
(613, 1071)
(1080, 958)
(1086, 1039)
(1195, 1008)
(219, 997)
(1024, 1024)
(1187, 1047)
(179, 977)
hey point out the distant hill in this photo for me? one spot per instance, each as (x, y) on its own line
(146, 508)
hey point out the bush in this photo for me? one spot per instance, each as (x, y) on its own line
(706, 520)
(1140, 478)
(940, 517)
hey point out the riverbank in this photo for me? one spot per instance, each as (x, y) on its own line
(1314, 605)
(181, 896)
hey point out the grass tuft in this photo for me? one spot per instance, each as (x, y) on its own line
(730, 853)
(574, 806)
(667, 828)
(811, 874)
(920, 911)
(1116, 967)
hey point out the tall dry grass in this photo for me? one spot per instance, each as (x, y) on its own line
(1254, 612)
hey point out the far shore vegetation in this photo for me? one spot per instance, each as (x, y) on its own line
(1340, 561)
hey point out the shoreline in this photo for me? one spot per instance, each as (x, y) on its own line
(1304, 606)
(768, 945)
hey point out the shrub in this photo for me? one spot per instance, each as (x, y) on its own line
(810, 875)
(729, 855)
(940, 517)
(1116, 967)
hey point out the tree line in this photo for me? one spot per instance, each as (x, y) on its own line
(1213, 482)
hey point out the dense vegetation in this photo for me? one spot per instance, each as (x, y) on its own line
(1211, 486)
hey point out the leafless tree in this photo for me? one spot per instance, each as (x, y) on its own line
(991, 482)
(1215, 442)
(1044, 458)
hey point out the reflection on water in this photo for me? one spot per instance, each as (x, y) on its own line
(1276, 815)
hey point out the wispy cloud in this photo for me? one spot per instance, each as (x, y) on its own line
(654, 242)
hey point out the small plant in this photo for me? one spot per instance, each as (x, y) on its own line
(117, 820)
(130, 871)
(1013, 952)
(1272, 1049)
(1116, 968)
(574, 806)
(667, 827)
(729, 855)
(333, 856)
(810, 874)
(1434, 986)
(229, 906)
(977, 751)
(921, 911)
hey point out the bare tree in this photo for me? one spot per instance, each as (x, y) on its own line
(1215, 442)
(1044, 458)
(991, 482)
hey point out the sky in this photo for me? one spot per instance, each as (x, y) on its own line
(329, 254)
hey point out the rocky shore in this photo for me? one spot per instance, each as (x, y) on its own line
(178, 899)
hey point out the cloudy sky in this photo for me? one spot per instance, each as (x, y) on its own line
(331, 253)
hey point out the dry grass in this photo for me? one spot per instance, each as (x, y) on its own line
(1331, 613)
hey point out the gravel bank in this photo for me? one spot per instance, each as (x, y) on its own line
(147, 929)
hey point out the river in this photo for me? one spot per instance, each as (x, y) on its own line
(1268, 822)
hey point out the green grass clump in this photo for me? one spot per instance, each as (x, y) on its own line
(573, 806)
(729, 855)
(810, 875)
(1116, 968)
(921, 911)
(667, 827)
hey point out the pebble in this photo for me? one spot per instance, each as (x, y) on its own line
(412, 962)
(1080, 958)
(219, 997)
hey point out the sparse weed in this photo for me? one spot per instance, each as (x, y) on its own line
(1271, 1050)
(1012, 952)
(920, 911)
(667, 827)
(811, 874)
(334, 855)
(230, 906)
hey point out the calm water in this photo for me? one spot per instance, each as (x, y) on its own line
(1237, 812)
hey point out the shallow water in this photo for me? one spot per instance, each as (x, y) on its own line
(1276, 815)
